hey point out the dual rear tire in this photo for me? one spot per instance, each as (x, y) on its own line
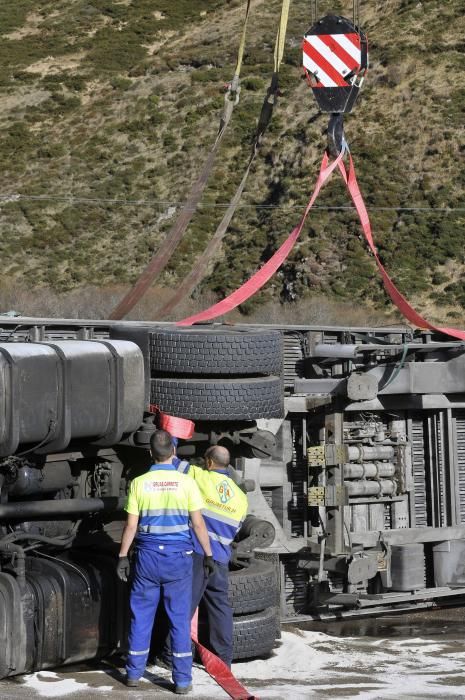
(211, 373)
(254, 596)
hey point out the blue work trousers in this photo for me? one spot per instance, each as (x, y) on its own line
(169, 574)
(213, 592)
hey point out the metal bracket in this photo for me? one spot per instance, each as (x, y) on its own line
(336, 495)
(336, 455)
(316, 496)
(331, 496)
(316, 456)
(327, 455)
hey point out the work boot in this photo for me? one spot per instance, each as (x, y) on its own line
(183, 689)
(132, 682)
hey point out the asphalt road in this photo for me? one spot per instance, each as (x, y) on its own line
(416, 656)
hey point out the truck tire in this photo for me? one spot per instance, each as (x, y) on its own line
(220, 399)
(254, 588)
(255, 635)
(205, 352)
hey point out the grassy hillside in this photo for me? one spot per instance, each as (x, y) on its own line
(108, 107)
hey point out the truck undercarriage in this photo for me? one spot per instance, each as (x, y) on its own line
(351, 442)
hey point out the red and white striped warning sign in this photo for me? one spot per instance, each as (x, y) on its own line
(332, 57)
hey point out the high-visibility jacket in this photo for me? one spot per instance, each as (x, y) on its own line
(163, 499)
(224, 509)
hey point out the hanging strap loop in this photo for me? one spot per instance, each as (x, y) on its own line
(350, 178)
(245, 291)
(256, 282)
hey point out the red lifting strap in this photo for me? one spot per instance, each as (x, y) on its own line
(218, 670)
(399, 300)
(256, 282)
(177, 427)
(262, 276)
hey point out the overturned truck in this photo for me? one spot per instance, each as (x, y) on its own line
(351, 442)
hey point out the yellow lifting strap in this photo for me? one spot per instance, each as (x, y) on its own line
(272, 93)
(240, 51)
(281, 35)
(174, 236)
(199, 269)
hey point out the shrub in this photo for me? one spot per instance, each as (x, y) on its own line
(120, 83)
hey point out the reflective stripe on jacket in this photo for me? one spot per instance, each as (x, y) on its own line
(224, 509)
(182, 465)
(163, 499)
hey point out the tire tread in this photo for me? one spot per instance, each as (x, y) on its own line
(253, 589)
(217, 400)
(216, 353)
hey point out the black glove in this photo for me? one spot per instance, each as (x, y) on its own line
(209, 566)
(123, 569)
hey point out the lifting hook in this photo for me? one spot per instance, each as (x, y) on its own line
(336, 138)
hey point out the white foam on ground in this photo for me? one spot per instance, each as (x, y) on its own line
(50, 685)
(315, 665)
(368, 669)
(311, 665)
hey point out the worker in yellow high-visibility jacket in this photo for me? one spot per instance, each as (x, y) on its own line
(164, 515)
(224, 510)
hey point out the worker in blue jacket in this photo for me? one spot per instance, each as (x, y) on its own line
(224, 510)
(160, 505)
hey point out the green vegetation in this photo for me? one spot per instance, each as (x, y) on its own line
(109, 107)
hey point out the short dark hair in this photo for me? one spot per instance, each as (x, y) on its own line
(161, 445)
(219, 455)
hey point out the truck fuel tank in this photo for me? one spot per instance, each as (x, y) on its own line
(55, 392)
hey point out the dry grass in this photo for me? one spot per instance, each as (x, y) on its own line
(90, 302)
(87, 302)
(97, 303)
(319, 310)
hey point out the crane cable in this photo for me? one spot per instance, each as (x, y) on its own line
(161, 258)
(199, 269)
